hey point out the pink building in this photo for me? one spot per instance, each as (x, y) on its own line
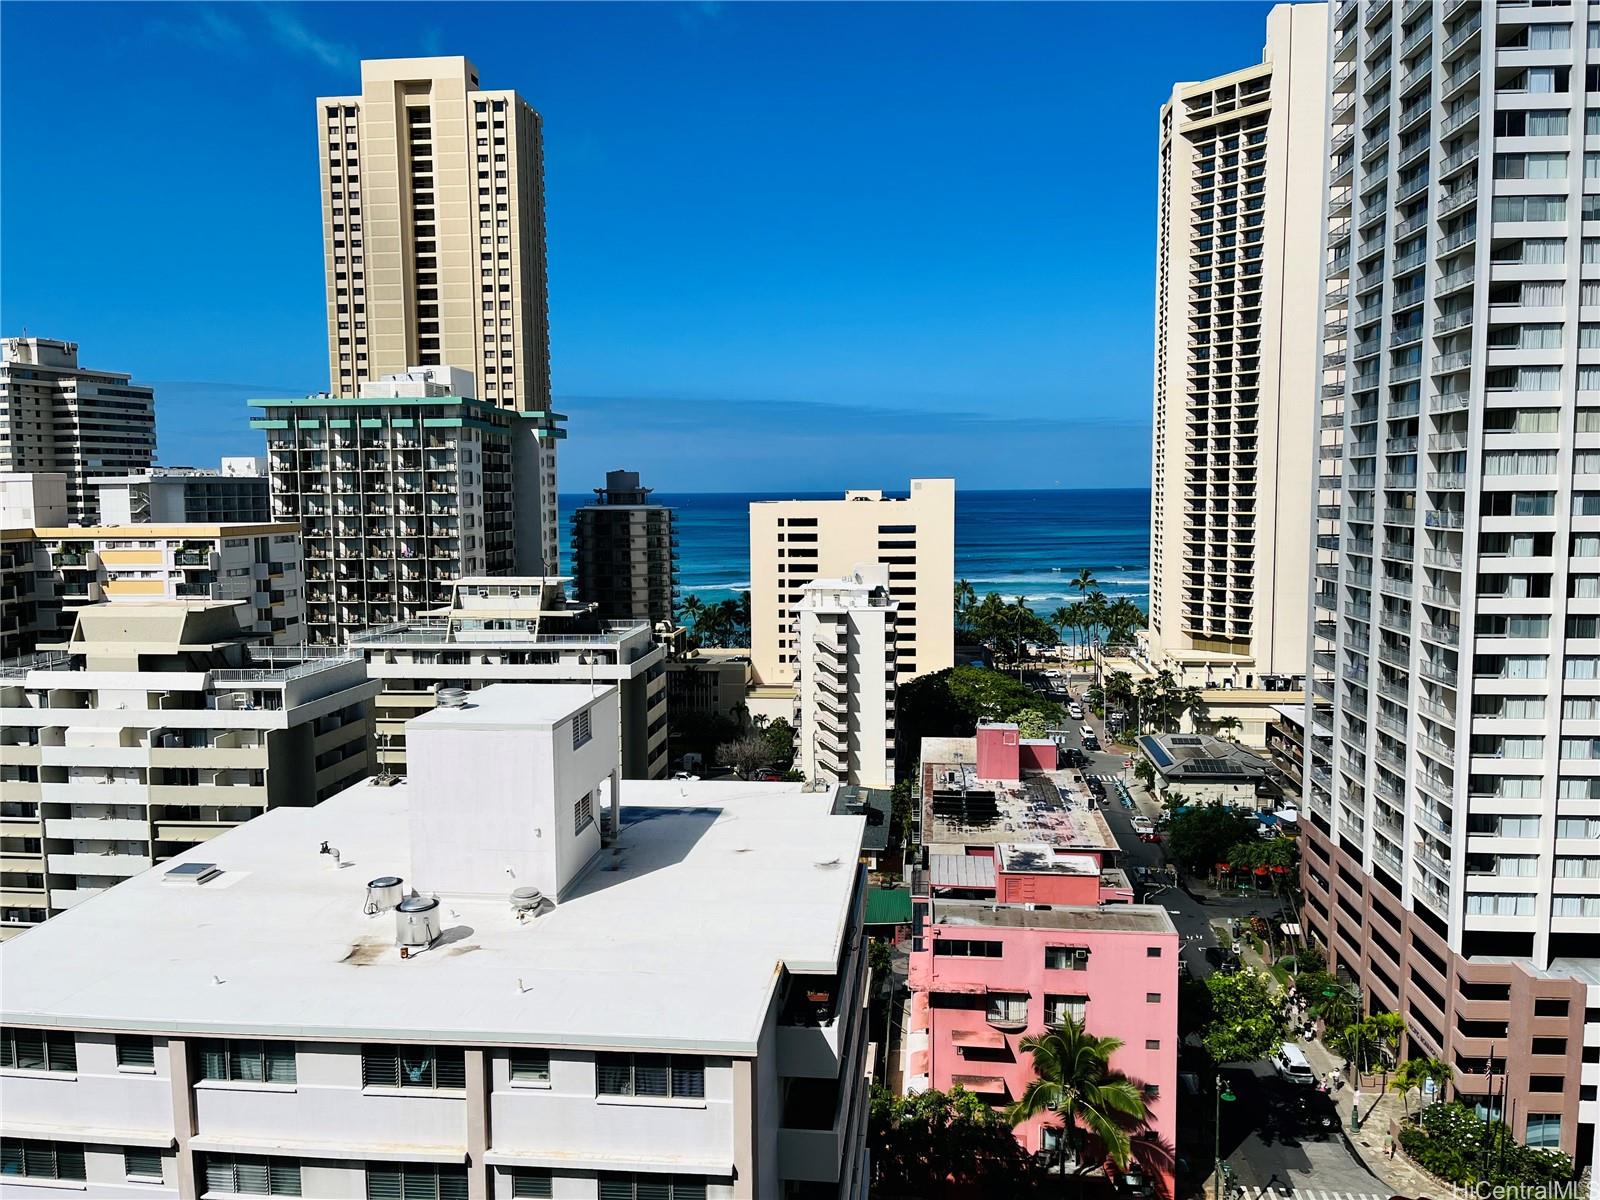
(1004, 754)
(983, 976)
(1028, 873)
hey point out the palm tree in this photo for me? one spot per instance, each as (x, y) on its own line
(1416, 1073)
(1062, 619)
(966, 597)
(691, 608)
(1084, 581)
(1123, 620)
(1227, 724)
(1074, 1082)
(1095, 611)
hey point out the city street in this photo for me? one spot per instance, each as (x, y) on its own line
(1266, 1140)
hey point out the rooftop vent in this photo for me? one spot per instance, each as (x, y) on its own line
(452, 697)
(193, 874)
(416, 922)
(526, 901)
(383, 893)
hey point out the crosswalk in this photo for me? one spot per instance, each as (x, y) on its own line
(1259, 1193)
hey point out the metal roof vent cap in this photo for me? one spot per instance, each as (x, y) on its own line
(451, 697)
(416, 922)
(526, 902)
(383, 893)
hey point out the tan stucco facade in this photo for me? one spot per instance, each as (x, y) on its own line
(793, 542)
(1236, 324)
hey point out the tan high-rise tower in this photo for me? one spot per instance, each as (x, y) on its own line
(1239, 204)
(433, 231)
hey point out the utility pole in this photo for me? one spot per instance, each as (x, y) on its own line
(1216, 1144)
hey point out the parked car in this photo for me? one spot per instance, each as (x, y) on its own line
(685, 777)
(767, 775)
(1091, 744)
(1075, 711)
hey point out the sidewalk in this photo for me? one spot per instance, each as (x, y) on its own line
(1380, 1114)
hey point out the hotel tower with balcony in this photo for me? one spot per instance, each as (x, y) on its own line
(434, 239)
(1452, 805)
(1237, 237)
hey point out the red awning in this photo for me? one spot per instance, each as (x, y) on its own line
(982, 1039)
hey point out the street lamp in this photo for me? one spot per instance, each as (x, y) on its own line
(1216, 1146)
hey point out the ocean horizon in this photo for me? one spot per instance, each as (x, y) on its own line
(1026, 543)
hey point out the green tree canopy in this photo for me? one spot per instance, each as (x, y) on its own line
(950, 703)
(1202, 836)
(945, 1146)
(1248, 1020)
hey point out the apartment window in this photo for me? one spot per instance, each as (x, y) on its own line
(654, 1076)
(1575, 906)
(1152, 997)
(582, 813)
(1152, 1043)
(1549, 1006)
(416, 1181)
(1544, 1131)
(1066, 958)
(1530, 166)
(248, 1061)
(1058, 1008)
(966, 948)
(141, 1163)
(615, 1186)
(413, 1067)
(1578, 827)
(38, 1050)
(582, 729)
(135, 1052)
(534, 1185)
(41, 1160)
(1498, 904)
(250, 1175)
(1152, 951)
(530, 1066)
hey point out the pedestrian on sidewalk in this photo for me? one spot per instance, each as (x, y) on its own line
(1389, 1145)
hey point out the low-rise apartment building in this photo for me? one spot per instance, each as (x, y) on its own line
(573, 1011)
(519, 630)
(983, 976)
(845, 694)
(257, 566)
(155, 727)
(165, 495)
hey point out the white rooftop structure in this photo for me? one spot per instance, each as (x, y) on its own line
(670, 937)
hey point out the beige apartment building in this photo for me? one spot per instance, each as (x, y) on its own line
(434, 238)
(156, 726)
(56, 416)
(793, 542)
(510, 629)
(1236, 324)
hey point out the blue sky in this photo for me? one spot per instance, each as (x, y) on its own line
(791, 246)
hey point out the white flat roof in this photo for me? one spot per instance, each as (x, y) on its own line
(512, 707)
(673, 942)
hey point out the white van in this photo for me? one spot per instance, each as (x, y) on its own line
(1291, 1065)
(1086, 731)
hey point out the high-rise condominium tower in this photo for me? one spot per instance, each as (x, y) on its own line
(845, 689)
(83, 423)
(433, 229)
(1237, 254)
(624, 552)
(1452, 862)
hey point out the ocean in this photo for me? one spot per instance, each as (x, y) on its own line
(1025, 544)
